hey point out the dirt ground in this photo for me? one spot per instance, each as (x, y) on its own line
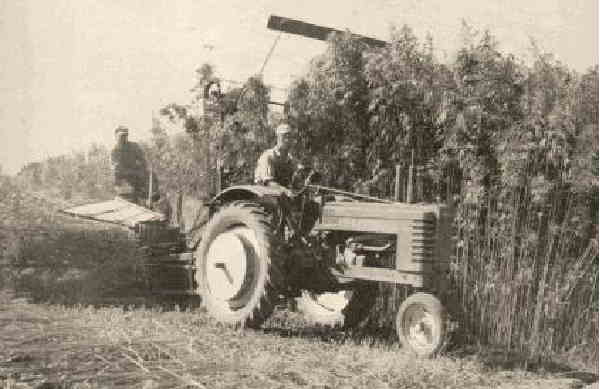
(54, 346)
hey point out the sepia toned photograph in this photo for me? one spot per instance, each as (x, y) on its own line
(299, 194)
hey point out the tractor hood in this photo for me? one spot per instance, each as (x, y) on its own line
(423, 231)
(340, 215)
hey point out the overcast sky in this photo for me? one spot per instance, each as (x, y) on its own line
(72, 70)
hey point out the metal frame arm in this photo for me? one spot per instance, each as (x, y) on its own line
(309, 30)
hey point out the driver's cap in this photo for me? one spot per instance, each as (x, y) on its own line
(283, 129)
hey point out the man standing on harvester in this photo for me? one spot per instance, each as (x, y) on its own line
(130, 169)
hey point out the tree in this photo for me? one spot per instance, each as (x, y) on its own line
(235, 133)
(331, 102)
(409, 102)
(246, 132)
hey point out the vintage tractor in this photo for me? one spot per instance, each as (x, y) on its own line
(320, 245)
(261, 244)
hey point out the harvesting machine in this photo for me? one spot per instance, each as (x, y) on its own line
(261, 244)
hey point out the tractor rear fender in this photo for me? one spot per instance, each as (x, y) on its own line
(264, 195)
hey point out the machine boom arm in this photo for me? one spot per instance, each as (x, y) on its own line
(313, 31)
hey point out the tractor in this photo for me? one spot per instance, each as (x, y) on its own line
(319, 244)
(261, 243)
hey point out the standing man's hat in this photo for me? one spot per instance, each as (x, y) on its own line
(121, 130)
(282, 129)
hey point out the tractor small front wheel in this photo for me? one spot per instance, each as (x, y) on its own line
(421, 324)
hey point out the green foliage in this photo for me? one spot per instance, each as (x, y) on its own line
(329, 109)
(246, 133)
(407, 93)
(234, 134)
(77, 177)
(359, 112)
(178, 162)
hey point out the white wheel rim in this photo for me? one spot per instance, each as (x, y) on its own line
(420, 328)
(227, 261)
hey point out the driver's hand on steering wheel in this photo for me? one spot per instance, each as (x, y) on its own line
(289, 193)
(299, 174)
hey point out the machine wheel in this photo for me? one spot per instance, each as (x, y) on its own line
(324, 308)
(239, 275)
(421, 324)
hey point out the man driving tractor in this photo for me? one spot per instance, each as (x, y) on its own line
(276, 166)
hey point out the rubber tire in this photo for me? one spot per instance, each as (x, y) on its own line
(434, 307)
(267, 280)
(317, 314)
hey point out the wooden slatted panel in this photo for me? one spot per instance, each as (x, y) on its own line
(117, 211)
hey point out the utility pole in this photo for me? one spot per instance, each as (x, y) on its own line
(212, 112)
(150, 188)
(410, 186)
(397, 183)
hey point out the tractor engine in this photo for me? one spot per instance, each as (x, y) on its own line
(373, 250)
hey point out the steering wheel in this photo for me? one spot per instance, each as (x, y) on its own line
(302, 178)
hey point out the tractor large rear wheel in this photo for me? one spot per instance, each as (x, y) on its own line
(239, 274)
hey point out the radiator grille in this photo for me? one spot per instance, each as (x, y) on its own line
(423, 240)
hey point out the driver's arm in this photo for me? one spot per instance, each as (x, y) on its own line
(297, 165)
(265, 173)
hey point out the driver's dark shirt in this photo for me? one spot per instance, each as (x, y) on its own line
(274, 166)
